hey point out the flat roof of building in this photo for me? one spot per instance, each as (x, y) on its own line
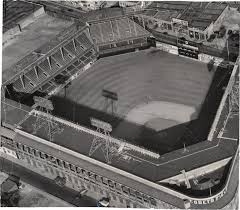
(198, 14)
(19, 51)
(15, 11)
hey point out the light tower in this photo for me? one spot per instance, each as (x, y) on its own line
(46, 120)
(103, 141)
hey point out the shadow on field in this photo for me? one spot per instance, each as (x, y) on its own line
(164, 141)
(78, 113)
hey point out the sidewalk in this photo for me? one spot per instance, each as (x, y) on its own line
(44, 184)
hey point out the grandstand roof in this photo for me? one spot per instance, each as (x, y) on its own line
(25, 47)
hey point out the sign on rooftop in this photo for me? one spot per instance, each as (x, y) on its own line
(101, 124)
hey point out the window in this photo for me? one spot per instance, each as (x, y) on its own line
(59, 162)
(18, 145)
(125, 190)
(153, 201)
(30, 151)
(196, 35)
(132, 192)
(169, 27)
(98, 179)
(24, 148)
(191, 34)
(76, 63)
(139, 195)
(65, 165)
(35, 152)
(84, 172)
(145, 198)
(202, 36)
(110, 183)
(51, 159)
(118, 187)
(78, 170)
(91, 176)
(48, 157)
(70, 67)
(165, 25)
(42, 155)
(72, 168)
(105, 181)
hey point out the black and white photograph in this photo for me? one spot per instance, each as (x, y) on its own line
(120, 104)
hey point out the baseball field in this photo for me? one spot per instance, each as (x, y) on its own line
(158, 95)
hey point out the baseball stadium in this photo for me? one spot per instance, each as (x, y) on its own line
(102, 98)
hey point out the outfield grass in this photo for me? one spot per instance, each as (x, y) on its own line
(140, 78)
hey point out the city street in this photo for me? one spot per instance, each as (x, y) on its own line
(45, 184)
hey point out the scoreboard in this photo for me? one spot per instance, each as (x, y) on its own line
(188, 50)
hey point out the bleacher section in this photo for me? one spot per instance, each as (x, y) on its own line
(59, 56)
(116, 33)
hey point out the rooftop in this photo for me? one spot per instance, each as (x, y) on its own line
(198, 14)
(15, 11)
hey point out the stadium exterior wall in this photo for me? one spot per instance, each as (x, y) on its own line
(151, 198)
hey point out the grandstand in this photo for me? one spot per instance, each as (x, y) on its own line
(117, 34)
(66, 54)
(113, 31)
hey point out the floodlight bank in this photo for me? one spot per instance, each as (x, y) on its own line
(95, 133)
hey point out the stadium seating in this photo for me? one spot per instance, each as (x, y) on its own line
(114, 30)
(32, 76)
(57, 61)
